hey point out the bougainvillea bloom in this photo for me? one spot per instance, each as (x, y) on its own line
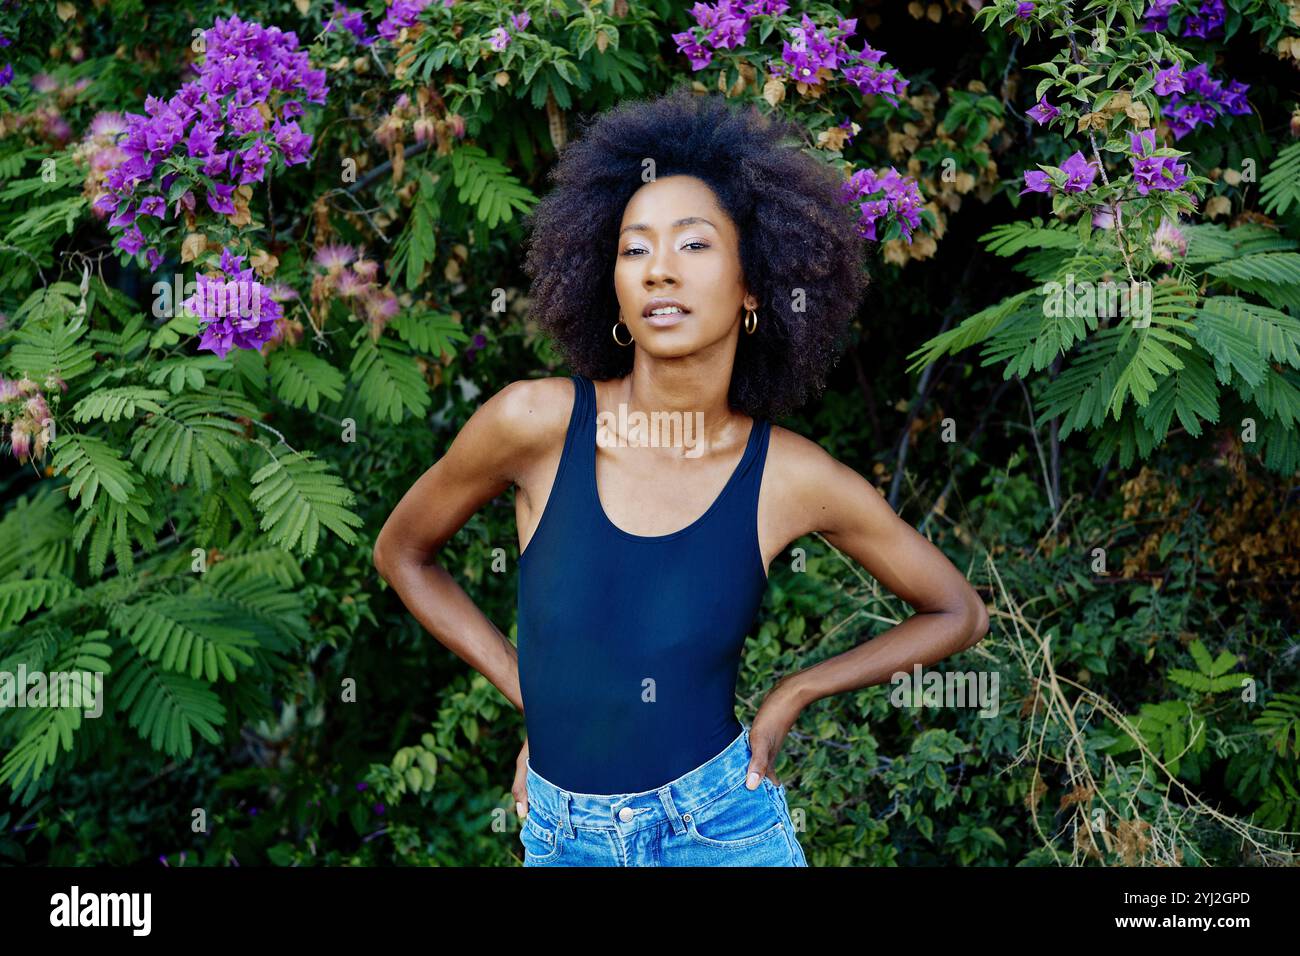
(1079, 173)
(238, 310)
(1043, 111)
(209, 121)
(1036, 181)
(884, 194)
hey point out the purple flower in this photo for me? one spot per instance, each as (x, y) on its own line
(153, 206)
(245, 67)
(1079, 172)
(1141, 144)
(238, 310)
(219, 199)
(698, 54)
(1157, 15)
(1158, 172)
(730, 33)
(1043, 112)
(155, 259)
(884, 194)
(1202, 101)
(216, 164)
(6, 74)
(520, 21)
(1036, 181)
(293, 143)
(361, 785)
(1233, 98)
(500, 39)
(251, 163)
(131, 241)
(106, 202)
(352, 21)
(202, 141)
(1169, 80)
(124, 216)
(402, 14)
(1024, 10)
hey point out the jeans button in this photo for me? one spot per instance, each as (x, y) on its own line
(626, 814)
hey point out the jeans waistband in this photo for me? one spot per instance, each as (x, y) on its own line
(628, 812)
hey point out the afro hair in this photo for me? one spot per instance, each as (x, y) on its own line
(800, 251)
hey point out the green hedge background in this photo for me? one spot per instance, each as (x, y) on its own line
(200, 528)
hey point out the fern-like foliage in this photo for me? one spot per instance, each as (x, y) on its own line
(39, 731)
(1281, 722)
(303, 379)
(297, 494)
(114, 524)
(416, 247)
(433, 333)
(186, 372)
(193, 436)
(186, 634)
(1212, 675)
(485, 184)
(112, 404)
(44, 348)
(1207, 336)
(165, 707)
(91, 463)
(388, 379)
(34, 532)
(19, 597)
(1280, 186)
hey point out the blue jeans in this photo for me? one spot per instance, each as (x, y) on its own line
(706, 817)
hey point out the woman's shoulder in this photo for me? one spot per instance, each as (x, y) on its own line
(803, 472)
(531, 412)
(533, 405)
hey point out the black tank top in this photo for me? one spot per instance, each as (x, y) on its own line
(629, 645)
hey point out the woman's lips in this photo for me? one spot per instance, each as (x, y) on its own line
(665, 321)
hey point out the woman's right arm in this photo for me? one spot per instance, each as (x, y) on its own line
(498, 444)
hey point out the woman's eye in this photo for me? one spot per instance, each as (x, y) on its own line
(694, 242)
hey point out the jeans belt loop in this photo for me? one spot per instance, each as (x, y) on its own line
(670, 808)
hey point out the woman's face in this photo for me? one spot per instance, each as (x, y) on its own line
(675, 242)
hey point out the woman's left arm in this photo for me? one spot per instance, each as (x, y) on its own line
(826, 495)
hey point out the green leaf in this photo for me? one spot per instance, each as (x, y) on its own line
(91, 464)
(484, 183)
(165, 707)
(432, 333)
(113, 404)
(302, 379)
(388, 379)
(296, 495)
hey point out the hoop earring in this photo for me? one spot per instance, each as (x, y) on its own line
(751, 322)
(614, 332)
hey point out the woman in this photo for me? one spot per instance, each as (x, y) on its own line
(695, 268)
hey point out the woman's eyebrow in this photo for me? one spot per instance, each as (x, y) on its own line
(677, 224)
